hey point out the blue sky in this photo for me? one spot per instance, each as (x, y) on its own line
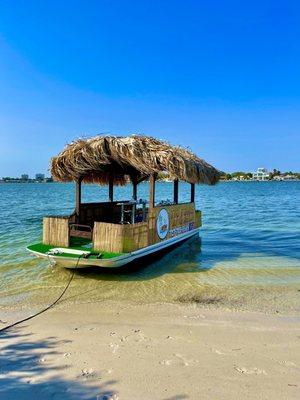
(222, 77)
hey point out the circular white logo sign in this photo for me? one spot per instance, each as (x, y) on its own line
(162, 223)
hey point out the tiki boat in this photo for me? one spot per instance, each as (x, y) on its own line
(114, 233)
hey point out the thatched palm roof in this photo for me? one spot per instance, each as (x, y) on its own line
(95, 160)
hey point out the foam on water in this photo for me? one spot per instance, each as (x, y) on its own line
(248, 256)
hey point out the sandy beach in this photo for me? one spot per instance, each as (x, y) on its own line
(109, 350)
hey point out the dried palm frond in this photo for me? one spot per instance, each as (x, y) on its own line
(97, 159)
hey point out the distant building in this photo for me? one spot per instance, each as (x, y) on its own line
(261, 174)
(39, 177)
(287, 177)
(238, 178)
(278, 178)
(24, 177)
(290, 177)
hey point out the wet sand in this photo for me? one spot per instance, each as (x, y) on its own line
(155, 351)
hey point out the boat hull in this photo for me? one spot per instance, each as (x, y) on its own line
(119, 261)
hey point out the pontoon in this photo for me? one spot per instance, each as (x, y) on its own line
(114, 233)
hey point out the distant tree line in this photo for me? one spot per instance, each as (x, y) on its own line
(249, 175)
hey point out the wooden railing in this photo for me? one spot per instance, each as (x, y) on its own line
(121, 238)
(56, 231)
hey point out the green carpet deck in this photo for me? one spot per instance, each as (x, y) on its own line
(76, 244)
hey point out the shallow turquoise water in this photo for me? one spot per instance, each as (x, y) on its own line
(248, 256)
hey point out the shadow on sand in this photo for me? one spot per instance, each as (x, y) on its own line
(24, 372)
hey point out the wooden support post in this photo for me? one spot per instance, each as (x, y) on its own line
(78, 198)
(111, 188)
(152, 190)
(192, 193)
(134, 188)
(176, 191)
(134, 197)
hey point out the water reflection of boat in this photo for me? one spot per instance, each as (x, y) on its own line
(112, 234)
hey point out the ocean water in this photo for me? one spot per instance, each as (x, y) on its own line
(247, 256)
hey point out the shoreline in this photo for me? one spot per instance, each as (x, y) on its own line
(151, 351)
(166, 181)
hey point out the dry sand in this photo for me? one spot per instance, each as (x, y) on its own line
(151, 352)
